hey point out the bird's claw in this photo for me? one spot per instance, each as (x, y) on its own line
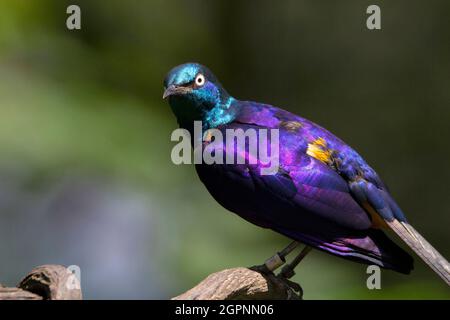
(262, 268)
(285, 274)
(294, 286)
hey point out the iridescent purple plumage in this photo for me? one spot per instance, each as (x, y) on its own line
(324, 194)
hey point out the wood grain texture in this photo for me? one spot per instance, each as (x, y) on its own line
(17, 294)
(240, 284)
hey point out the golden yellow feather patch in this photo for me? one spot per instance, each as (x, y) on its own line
(318, 150)
(321, 142)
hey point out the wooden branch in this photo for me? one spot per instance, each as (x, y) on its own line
(241, 284)
(48, 282)
(55, 282)
(17, 294)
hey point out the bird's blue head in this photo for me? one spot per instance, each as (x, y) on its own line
(195, 94)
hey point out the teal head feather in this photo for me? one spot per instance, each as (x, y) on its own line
(195, 94)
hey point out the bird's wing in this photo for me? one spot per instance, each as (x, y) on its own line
(307, 184)
(343, 180)
(312, 186)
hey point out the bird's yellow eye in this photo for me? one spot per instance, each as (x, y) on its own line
(199, 80)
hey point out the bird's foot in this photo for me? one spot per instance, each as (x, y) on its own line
(297, 290)
(285, 274)
(293, 285)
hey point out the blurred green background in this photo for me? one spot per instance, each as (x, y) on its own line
(85, 170)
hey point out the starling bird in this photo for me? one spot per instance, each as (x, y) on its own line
(323, 194)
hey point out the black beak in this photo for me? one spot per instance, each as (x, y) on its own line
(175, 90)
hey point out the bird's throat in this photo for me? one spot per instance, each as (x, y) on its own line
(221, 114)
(211, 117)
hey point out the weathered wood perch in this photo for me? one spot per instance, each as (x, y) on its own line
(240, 284)
(48, 282)
(56, 282)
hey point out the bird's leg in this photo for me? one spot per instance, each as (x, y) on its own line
(288, 270)
(276, 261)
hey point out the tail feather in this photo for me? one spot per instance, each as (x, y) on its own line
(369, 247)
(422, 248)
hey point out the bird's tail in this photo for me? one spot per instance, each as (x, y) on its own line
(422, 248)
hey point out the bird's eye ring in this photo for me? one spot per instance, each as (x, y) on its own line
(200, 80)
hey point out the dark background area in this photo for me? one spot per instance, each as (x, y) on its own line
(85, 170)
